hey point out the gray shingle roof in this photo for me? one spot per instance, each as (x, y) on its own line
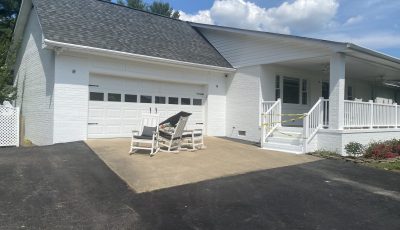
(108, 26)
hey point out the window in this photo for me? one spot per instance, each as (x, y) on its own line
(130, 98)
(96, 96)
(145, 99)
(291, 90)
(325, 90)
(350, 93)
(173, 100)
(277, 87)
(197, 101)
(114, 97)
(159, 100)
(185, 101)
(304, 92)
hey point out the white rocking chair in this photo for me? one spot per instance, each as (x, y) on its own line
(148, 135)
(173, 140)
(195, 137)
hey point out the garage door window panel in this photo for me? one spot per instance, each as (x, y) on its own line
(160, 100)
(173, 100)
(96, 96)
(115, 97)
(197, 101)
(185, 101)
(130, 98)
(146, 99)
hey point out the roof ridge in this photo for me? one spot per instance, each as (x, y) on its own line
(144, 11)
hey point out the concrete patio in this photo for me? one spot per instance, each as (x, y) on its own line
(219, 159)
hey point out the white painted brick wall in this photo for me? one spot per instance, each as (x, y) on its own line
(243, 104)
(71, 90)
(337, 140)
(35, 82)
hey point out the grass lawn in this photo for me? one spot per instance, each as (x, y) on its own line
(386, 165)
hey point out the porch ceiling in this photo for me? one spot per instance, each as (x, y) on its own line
(355, 68)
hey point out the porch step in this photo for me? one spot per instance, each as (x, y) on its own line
(291, 129)
(291, 148)
(285, 140)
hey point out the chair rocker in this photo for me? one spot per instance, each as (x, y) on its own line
(172, 141)
(147, 137)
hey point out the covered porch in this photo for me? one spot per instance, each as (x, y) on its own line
(332, 96)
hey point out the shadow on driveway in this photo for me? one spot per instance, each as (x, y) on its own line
(68, 186)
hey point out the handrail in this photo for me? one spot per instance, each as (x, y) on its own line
(313, 121)
(270, 120)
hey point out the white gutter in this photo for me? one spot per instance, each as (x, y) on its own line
(372, 52)
(139, 57)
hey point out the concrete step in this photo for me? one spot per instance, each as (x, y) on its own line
(291, 129)
(286, 134)
(285, 140)
(297, 149)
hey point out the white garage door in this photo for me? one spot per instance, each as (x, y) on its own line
(116, 104)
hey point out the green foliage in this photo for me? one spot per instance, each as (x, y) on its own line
(157, 7)
(354, 149)
(136, 4)
(8, 14)
(161, 8)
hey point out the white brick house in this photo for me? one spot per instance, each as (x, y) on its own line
(81, 78)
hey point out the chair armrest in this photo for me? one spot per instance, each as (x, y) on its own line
(135, 133)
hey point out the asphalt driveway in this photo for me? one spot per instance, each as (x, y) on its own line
(67, 186)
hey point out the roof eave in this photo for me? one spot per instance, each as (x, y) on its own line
(144, 58)
(357, 48)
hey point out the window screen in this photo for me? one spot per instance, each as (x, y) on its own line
(291, 90)
(94, 96)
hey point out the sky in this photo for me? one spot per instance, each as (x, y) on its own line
(374, 24)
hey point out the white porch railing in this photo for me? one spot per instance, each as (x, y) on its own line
(270, 118)
(9, 125)
(370, 115)
(314, 119)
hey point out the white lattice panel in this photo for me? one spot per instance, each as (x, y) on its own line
(9, 126)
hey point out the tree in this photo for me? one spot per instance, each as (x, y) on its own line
(8, 14)
(161, 8)
(137, 4)
(157, 7)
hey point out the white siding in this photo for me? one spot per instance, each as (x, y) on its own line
(243, 103)
(71, 90)
(241, 50)
(35, 82)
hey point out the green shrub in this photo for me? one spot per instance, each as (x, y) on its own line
(354, 149)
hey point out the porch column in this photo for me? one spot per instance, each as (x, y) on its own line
(337, 90)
